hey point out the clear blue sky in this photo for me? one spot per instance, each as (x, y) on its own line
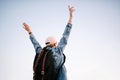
(93, 50)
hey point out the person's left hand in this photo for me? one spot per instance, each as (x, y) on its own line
(26, 27)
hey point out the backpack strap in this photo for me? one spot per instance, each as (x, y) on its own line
(43, 65)
(38, 58)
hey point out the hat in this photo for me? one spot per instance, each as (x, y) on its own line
(50, 40)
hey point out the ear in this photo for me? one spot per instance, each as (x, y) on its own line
(55, 44)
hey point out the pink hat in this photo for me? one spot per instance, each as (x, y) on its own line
(50, 40)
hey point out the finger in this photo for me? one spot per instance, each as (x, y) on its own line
(73, 10)
(69, 6)
(25, 24)
(72, 7)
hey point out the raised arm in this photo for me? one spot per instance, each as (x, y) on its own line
(32, 38)
(63, 40)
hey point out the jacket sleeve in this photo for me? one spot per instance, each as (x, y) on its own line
(63, 40)
(35, 44)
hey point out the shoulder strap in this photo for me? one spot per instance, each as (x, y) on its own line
(38, 58)
(43, 65)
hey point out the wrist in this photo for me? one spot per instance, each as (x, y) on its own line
(70, 14)
(30, 32)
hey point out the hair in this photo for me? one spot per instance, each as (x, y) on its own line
(48, 43)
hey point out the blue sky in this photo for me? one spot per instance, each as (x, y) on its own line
(93, 50)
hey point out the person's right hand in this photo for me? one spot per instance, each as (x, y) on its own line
(71, 10)
(26, 27)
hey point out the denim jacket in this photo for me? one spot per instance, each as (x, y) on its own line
(58, 51)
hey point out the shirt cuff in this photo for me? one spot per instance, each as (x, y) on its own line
(31, 35)
(69, 25)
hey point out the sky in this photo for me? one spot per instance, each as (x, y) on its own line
(93, 50)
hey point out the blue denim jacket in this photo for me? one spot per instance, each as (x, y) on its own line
(58, 51)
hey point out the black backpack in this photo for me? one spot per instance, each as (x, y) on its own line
(44, 68)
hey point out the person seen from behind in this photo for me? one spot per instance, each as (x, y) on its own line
(56, 47)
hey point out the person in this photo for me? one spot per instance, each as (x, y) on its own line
(58, 49)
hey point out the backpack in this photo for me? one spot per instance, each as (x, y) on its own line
(44, 67)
